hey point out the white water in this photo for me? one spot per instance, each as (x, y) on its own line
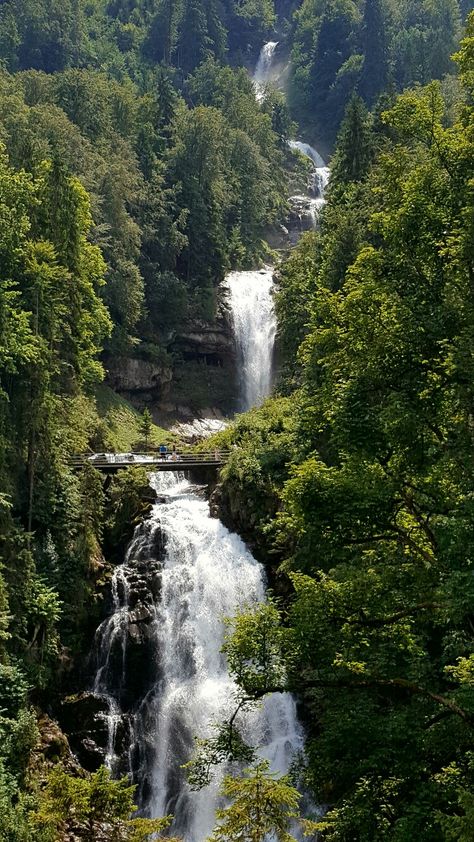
(309, 151)
(263, 70)
(253, 311)
(113, 632)
(315, 201)
(207, 574)
(321, 180)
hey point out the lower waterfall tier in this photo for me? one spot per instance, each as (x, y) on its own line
(205, 574)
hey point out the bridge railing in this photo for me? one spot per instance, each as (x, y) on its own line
(184, 457)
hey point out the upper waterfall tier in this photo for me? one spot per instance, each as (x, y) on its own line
(253, 311)
(309, 151)
(263, 70)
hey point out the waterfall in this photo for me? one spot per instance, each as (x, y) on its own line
(206, 574)
(310, 206)
(309, 151)
(263, 75)
(124, 650)
(158, 659)
(252, 305)
(320, 181)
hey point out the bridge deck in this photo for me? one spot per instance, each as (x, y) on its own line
(110, 463)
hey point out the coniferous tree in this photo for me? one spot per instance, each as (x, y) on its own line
(262, 805)
(146, 424)
(374, 48)
(354, 144)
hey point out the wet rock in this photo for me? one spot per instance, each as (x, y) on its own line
(91, 755)
(135, 633)
(200, 429)
(83, 718)
(142, 613)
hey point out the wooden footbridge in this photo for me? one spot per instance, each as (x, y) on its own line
(110, 463)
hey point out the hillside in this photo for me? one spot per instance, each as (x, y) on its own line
(172, 248)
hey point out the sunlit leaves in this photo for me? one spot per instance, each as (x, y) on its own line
(261, 804)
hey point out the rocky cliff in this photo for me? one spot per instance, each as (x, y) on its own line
(196, 375)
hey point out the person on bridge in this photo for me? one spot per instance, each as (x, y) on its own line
(174, 455)
(163, 451)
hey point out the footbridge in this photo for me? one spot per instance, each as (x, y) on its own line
(110, 463)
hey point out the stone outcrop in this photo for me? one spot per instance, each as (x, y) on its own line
(202, 373)
(211, 342)
(123, 657)
(139, 379)
(83, 717)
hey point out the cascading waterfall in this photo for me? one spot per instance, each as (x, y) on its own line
(129, 629)
(309, 151)
(263, 70)
(159, 664)
(253, 311)
(207, 574)
(315, 201)
(304, 206)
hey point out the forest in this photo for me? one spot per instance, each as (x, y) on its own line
(137, 170)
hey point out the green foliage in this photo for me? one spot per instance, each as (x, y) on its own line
(127, 190)
(354, 145)
(128, 503)
(254, 649)
(262, 443)
(373, 518)
(344, 47)
(225, 746)
(146, 425)
(91, 804)
(119, 426)
(262, 804)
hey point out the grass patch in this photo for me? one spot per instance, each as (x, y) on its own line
(121, 423)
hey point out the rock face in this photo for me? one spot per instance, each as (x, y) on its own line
(124, 660)
(83, 717)
(211, 342)
(202, 373)
(122, 666)
(140, 380)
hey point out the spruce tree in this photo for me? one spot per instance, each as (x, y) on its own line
(354, 144)
(146, 425)
(261, 804)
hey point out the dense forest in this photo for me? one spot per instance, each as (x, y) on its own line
(370, 519)
(137, 168)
